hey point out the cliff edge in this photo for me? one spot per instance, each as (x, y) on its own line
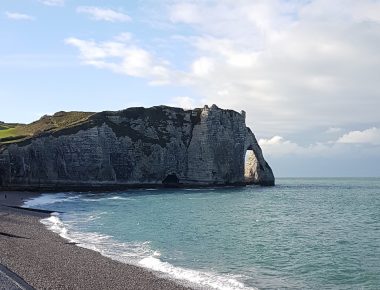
(133, 147)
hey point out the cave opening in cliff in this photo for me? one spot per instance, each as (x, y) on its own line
(250, 166)
(171, 179)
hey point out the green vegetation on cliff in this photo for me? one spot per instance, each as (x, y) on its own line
(67, 123)
(10, 133)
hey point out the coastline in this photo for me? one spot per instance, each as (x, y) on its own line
(45, 260)
(28, 189)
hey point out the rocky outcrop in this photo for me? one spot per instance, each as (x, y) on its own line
(138, 147)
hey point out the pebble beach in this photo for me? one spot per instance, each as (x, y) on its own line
(44, 260)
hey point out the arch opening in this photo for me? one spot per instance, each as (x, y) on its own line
(250, 166)
(171, 179)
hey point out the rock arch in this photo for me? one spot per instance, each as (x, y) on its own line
(256, 169)
(250, 166)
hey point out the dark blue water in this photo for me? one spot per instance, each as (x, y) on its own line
(301, 234)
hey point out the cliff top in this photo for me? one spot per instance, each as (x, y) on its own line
(10, 133)
(64, 123)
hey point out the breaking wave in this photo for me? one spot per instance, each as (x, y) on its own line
(141, 254)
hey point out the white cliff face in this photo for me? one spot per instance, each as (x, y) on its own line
(138, 147)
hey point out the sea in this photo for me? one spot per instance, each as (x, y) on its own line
(304, 233)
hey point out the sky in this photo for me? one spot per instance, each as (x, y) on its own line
(307, 72)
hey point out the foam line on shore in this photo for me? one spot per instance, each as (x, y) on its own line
(49, 198)
(140, 254)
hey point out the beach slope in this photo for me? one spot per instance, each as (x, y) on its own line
(47, 261)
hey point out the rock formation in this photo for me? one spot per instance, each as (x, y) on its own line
(136, 147)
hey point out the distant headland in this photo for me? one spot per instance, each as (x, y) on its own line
(135, 147)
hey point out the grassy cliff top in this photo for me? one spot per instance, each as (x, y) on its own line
(67, 123)
(10, 133)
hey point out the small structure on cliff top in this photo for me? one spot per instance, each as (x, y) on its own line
(133, 147)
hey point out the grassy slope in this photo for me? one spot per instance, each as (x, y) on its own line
(66, 123)
(6, 132)
(10, 133)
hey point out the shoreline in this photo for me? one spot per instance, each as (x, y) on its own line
(113, 187)
(45, 260)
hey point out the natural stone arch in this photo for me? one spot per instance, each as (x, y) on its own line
(251, 165)
(257, 169)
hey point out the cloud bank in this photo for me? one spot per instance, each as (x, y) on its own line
(287, 61)
(292, 65)
(366, 141)
(369, 136)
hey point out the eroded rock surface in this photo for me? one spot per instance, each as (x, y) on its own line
(137, 147)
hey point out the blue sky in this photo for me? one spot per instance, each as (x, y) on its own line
(306, 72)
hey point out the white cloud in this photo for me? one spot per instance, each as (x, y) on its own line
(18, 16)
(292, 65)
(279, 146)
(121, 57)
(202, 66)
(53, 2)
(368, 141)
(272, 141)
(185, 13)
(104, 14)
(369, 136)
(184, 102)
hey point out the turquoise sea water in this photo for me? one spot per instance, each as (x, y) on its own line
(300, 234)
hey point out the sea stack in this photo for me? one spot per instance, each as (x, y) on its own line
(157, 146)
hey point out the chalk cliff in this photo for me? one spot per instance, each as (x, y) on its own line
(136, 147)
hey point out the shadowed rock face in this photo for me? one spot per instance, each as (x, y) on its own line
(138, 147)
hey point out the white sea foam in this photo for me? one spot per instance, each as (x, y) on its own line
(98, 242)
(202, 279)
(142, 255)
(45, 199)
(48, 198)
(101, 199)
(121, 198)
(54, 224)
